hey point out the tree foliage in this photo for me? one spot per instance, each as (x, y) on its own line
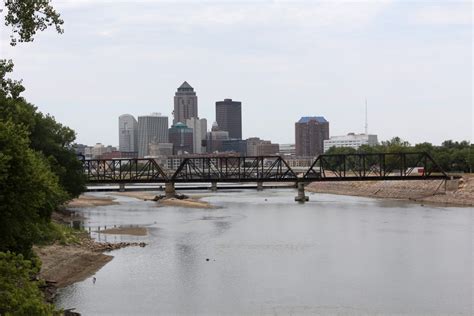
(452, 156)
(29, 190)
(50, 138)
(19, 289)
(26, 17)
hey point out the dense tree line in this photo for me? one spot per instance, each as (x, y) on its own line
(38, 170)
(452, 156)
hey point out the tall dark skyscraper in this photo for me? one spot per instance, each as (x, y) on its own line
(310, 133)
(229, 117)
(185, 104)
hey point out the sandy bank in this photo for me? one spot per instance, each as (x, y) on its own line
(141, 195)
(90, 201)
(134, 231)
(192, 202)
(426, 191)
(65, 265)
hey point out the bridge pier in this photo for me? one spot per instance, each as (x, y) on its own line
(259, 186)
(451, 185)
(170, 190)
(301, 197)
(213, 186)
(122, 187)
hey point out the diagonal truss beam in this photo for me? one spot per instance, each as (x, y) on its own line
(374, 166)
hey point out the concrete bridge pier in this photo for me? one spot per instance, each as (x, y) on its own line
(301, 197)
(259, 186)
(451, 185)
(170, 190)
(213, 186)
(122, 187)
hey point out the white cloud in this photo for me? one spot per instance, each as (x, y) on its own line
(448, 14)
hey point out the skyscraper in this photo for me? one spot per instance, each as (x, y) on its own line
(199, 127)
(310, 133)
(181, 137)
(152, 129)
(229, 117)
(216, 138)
(185, 104)
(128, 133)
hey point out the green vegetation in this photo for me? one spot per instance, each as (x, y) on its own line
(53, 232)
(38, 172)
(19, 289)
(451, 156)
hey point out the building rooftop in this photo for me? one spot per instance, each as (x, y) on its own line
(180, 125)
(185, 85)
(306, 119)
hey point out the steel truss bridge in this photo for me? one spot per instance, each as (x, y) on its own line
(259, 169)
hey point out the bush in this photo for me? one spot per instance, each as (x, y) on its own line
(19, 291)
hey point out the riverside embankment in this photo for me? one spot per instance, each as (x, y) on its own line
(65, 264)
(425, 191)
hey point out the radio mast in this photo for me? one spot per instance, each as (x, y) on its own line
(366, 124)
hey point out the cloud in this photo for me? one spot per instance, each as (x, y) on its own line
(447, 14)
(194, 14)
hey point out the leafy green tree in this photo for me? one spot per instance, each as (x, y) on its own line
(340, 150)
(46, 135)
(29, 190)
(26, 17)
(19, 291)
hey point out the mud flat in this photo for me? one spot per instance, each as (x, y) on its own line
(133, 231)
(85, 200)
(425, 191)
(192, 202)
(65, 265)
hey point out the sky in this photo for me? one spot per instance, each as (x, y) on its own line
(411, 60)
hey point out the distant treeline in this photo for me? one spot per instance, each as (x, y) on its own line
(452, 156)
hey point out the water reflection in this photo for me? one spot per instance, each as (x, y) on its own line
(336, 254)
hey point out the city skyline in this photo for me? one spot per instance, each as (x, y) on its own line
(412, 61)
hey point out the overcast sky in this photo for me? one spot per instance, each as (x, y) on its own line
(412, 60)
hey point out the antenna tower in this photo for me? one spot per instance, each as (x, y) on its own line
(366, 124)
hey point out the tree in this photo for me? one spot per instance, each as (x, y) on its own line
(8, 87)
(19, 292)
(45, 135)
(27, 17)
(29, 190)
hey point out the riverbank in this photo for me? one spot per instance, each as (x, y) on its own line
(65, 263)
(424, 191)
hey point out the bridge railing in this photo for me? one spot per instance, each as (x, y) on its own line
(376, 166)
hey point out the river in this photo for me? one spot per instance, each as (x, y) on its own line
(270, 255)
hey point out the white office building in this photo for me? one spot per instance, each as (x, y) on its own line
(152, 129)
(350, 140)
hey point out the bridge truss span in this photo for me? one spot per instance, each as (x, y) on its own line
(234, 169)
(124, 171)
(374, 166)
(339, 167)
